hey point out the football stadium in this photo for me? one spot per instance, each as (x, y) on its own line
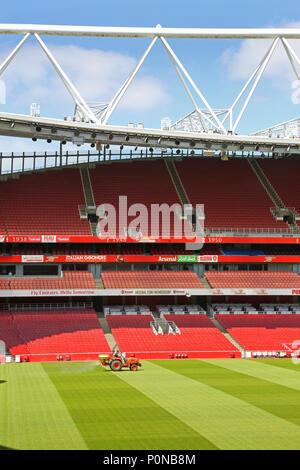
(149, 277)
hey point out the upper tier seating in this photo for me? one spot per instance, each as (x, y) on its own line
(43, 203)
(150, 279)
(262, 332)
(253, 279)
(232, 195)
(284, 177)
(145, 183)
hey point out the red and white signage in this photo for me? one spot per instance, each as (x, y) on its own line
(90, 239)
(147, 259)
(146, 292)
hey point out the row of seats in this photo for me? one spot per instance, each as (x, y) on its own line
(150, 279)
(197, 334)
(263, 332)
(43, 203)
(127, 310)
(180, 309)
(37, 332)
(50, 200)
(232, 195)
(253, 279)
(70, 280)
(235, 308)
(283, 175)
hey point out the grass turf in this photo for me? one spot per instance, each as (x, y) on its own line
(166, 405)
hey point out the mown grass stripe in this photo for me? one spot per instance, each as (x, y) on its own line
(280, 401)
(33, 415)
(111, 414)
(227, 421)
(285, 377)
(283, 363)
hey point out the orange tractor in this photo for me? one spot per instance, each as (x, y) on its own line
(116, 362)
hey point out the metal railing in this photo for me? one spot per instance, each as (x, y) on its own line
(250, 230)
(15, 163)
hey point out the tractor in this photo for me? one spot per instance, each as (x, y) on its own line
(116, 362)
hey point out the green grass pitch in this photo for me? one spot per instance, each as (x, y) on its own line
(180, 404)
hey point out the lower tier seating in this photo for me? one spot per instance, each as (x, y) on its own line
(262, 332)
(10, 336)
(198, 338)
(150, 279)
(252, 279)
(42, 335)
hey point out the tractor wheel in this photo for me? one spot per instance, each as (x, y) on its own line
(116, 365)
(133, 366)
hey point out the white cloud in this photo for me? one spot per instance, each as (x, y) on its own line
(96, 74)
(145, 93)
(241, 62)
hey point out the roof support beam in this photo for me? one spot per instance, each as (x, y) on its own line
(79, 101)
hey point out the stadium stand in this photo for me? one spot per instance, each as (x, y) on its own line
(14, 343)
(253, 279)
(70, 280)
(145, 183)
(42, 335)
(150, 279)
(198, 337)
(43, 203)
(283, 175)
(262, 332)
(232, 195)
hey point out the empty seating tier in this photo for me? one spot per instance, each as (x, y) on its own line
(70, 280)
(198, 337)
(144, 183)
(42, 335)
(150, 279)
(284, 177)
(253, 279)
(43, 203)
(231, 193)
(262, 332)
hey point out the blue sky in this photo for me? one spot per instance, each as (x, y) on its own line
(98, 66)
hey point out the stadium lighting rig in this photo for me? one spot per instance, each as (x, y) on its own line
(203, 128)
